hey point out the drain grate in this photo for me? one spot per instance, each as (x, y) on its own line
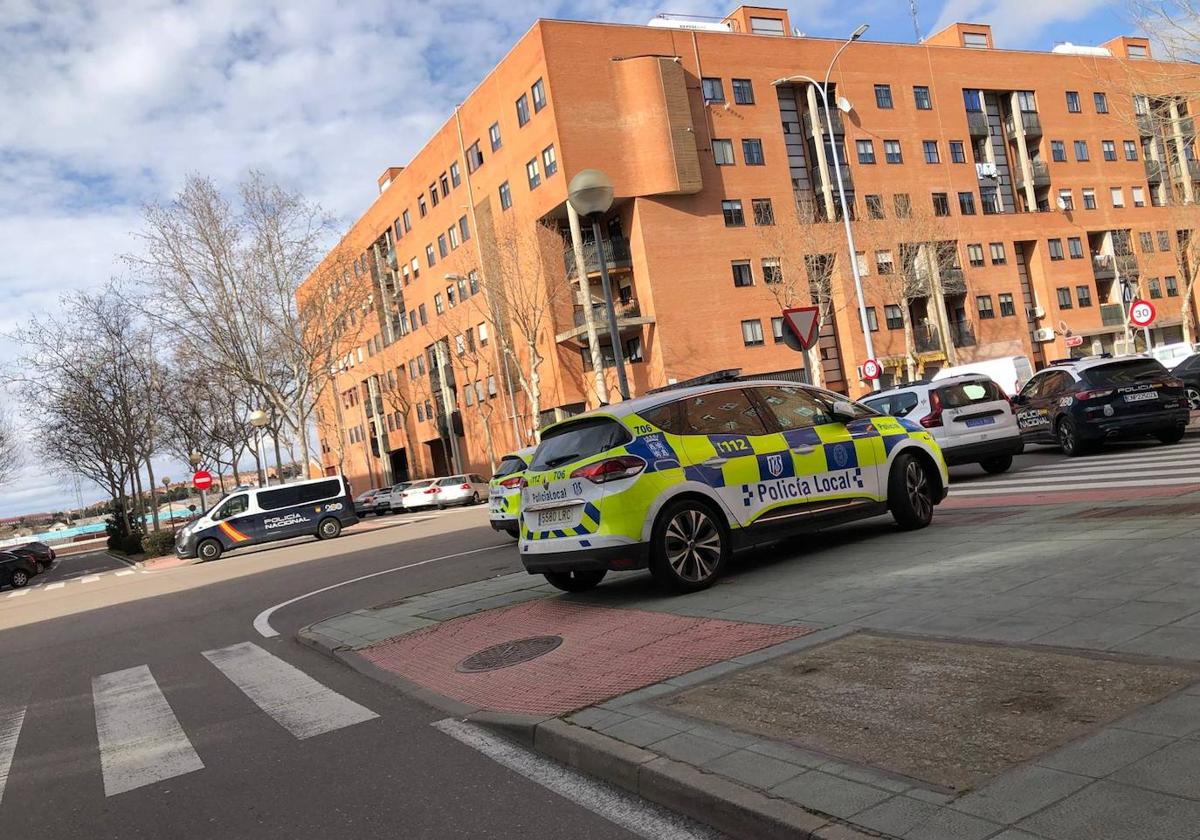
(507, 654)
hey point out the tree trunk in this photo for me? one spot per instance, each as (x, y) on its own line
(1186, 310)
(487, 441)
(304, 455)
(153, 494)
(278, 456)
(909, 345)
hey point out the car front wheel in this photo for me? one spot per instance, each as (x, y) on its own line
(580, 581)
(209, 550)
(18, 578)
(689, 547)
(1172, 435)
(910, 493)
(997, 465)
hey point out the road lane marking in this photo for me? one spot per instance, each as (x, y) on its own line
(989, 489)
(630, 812)
(1043, 478)
(90, 579)
(59, 585)
(262, 621)
(10, 729)
(124, 572)
(17, 593)
(1150, 458)
(141, 741)
(296, 701)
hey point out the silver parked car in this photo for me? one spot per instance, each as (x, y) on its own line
(467, 489)
(395, 500)
(419, 494)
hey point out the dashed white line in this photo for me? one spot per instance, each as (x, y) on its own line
(19, 592)
(58, 585)
(124, 572)
(89, 579)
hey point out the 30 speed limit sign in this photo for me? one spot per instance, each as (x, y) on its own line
(871, 370)
(1141, 313)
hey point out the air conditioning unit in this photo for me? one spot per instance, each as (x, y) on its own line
(1044, 334)
(1035, 313)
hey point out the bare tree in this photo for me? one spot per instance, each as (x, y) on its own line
(10, 448)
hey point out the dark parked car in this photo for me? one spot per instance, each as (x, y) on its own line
(1189, 371)
(364, 503)
(15, 570)
(39, 552)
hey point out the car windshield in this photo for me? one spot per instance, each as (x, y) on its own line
(895, 405)
(962, 394)
(580, 439)
(508, 465)
(1128, 372)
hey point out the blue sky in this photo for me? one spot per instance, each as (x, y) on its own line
(110, 104)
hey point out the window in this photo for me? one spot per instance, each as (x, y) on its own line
(549, 161)
(752, 152)
(1064, 298)
(941, 204)
(1058, 151)
(777, 330)
(522, 110)
(429, 258)
(975, 40)
(505, 196)
(893, 317)
(1066, 200)
(422, 209)
(1056, 249)
(1026, 102)
(1164, 241)
(742, 275)
(973, 100)
(442, 249)
(1155, 288)
(433, 194)
(874, 206)
(866, 151)
(883, 96)
(921, 98)
(931, 151)
(438, 306)
(464, 230)
(1109, 148)
(1136, 52)
(474, 157)
(1139, 196)
(1089, 198)
(445, 182)
(420, 413)
(532, 173)
(752, 333)
(891, 151)
(238, 504)
(416, 268)
(722, 152)
(713, 90)
(483, 335)
(491, 386)
(902, 205)
(764, 213)
(422, 313)
(743, 91)
(450, 300)
(1075, 248)
(957, 153)
(1172, 287)
(1101, 101)
(966, 203)
(1007, 307)
(1147, 240)
(469, 395)
(883, 262)
(1118, 196)
(984, 304)
(872, 319)
(1073, 102)
(1130, 150)
(1084, 295)
(772, 271)
(538, 92)
(998, 255)
(731, 209)
(975, 256)
(864, 268)
(452, 233)
(1081, 150)
(494, 136)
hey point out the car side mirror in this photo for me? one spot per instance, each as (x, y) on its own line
(1018, 399)
(843, 411)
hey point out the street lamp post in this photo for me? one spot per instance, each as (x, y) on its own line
(591, 194)
(823, 89)
(194, 459)
(259, 420)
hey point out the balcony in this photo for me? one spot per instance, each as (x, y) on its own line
(1154, 170)
(818, 178)
(1030, 121)
(1127, 266)
(821, 123)
(1193, 170)
(616, 255)
(962, 334)
(1112, 315)
(1040, 174)
(629, 320)
(1187, 126)
(953, 281)
(926, 338)
(1103, 267)
(1145, 124)
(977, 124)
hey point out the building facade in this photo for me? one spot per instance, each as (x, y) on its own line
(1004, 203)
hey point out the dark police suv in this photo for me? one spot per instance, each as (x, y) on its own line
(1080, 403)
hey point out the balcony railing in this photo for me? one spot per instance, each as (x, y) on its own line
(953, 281)
(1193, 169)
(1127, 265)
(962, 334)
(624, 309)
(1029, 121)
(1154, 170)
(616, 255)
(926, 338)
(1103, 267)
(1040, 173)
(977, 123)
(818, 177)
(1187, 125)
(1145, 124)
(1112, 314)
(818, 120)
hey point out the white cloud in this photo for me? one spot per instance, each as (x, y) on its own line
(1019, 23)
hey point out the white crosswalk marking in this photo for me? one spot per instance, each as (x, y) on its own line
(296, 701)
(141, 741)
(124, 572)
(10, 729)
(89, 579)
(59, 585)
(17, 593)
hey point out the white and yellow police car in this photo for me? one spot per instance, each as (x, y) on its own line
(679, 479)
(504, 491)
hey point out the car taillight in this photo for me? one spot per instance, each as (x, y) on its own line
(1173, 383)
(513, 483)
(464, 487)
(611, 469)
(1095, 394)
(433, 490)
(934, 417)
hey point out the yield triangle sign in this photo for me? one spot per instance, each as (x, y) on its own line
(802, 321)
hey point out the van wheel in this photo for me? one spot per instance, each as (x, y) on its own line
(18, 578)
(1172, 435)
(580, 581)
(329, 528)
(997, 465)
(209, 550)
(689, 546)
(910, 493)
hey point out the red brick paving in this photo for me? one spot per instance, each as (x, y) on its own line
(605, 653)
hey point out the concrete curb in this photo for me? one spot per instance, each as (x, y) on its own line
(713, 800)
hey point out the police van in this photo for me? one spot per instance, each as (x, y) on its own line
(678, 480)
(246, 516)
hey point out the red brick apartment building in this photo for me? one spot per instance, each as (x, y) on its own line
(1054, 176)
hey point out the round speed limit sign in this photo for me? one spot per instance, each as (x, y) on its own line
(871, 369)
(1141, 313)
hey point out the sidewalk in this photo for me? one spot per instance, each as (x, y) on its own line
(1010, 673)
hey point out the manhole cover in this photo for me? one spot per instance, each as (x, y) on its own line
(507, 654)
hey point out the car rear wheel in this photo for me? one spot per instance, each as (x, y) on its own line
(997, 465)
(580, 581)
(18, 578)
(474, 498)
(1193, 398)
(209, 550)
(689, 546)
(1068, 438)
(1172, 435)
(329, 528)
(910, 493)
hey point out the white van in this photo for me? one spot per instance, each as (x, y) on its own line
(1172, 354)
(1009, 372)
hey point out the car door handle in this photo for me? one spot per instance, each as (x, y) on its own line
(803, 450)
(715, 462)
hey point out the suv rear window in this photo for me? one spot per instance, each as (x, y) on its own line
(962, 394)
(894, 405)
(509, 464)
(1118, 374)
(580, 439)
(301, 494)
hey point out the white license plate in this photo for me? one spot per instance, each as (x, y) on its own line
(1144, 395)
(555, 517)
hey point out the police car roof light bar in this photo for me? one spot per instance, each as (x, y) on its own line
(726, 375)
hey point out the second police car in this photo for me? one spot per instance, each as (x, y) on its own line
(678, 480)
(504, 491)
